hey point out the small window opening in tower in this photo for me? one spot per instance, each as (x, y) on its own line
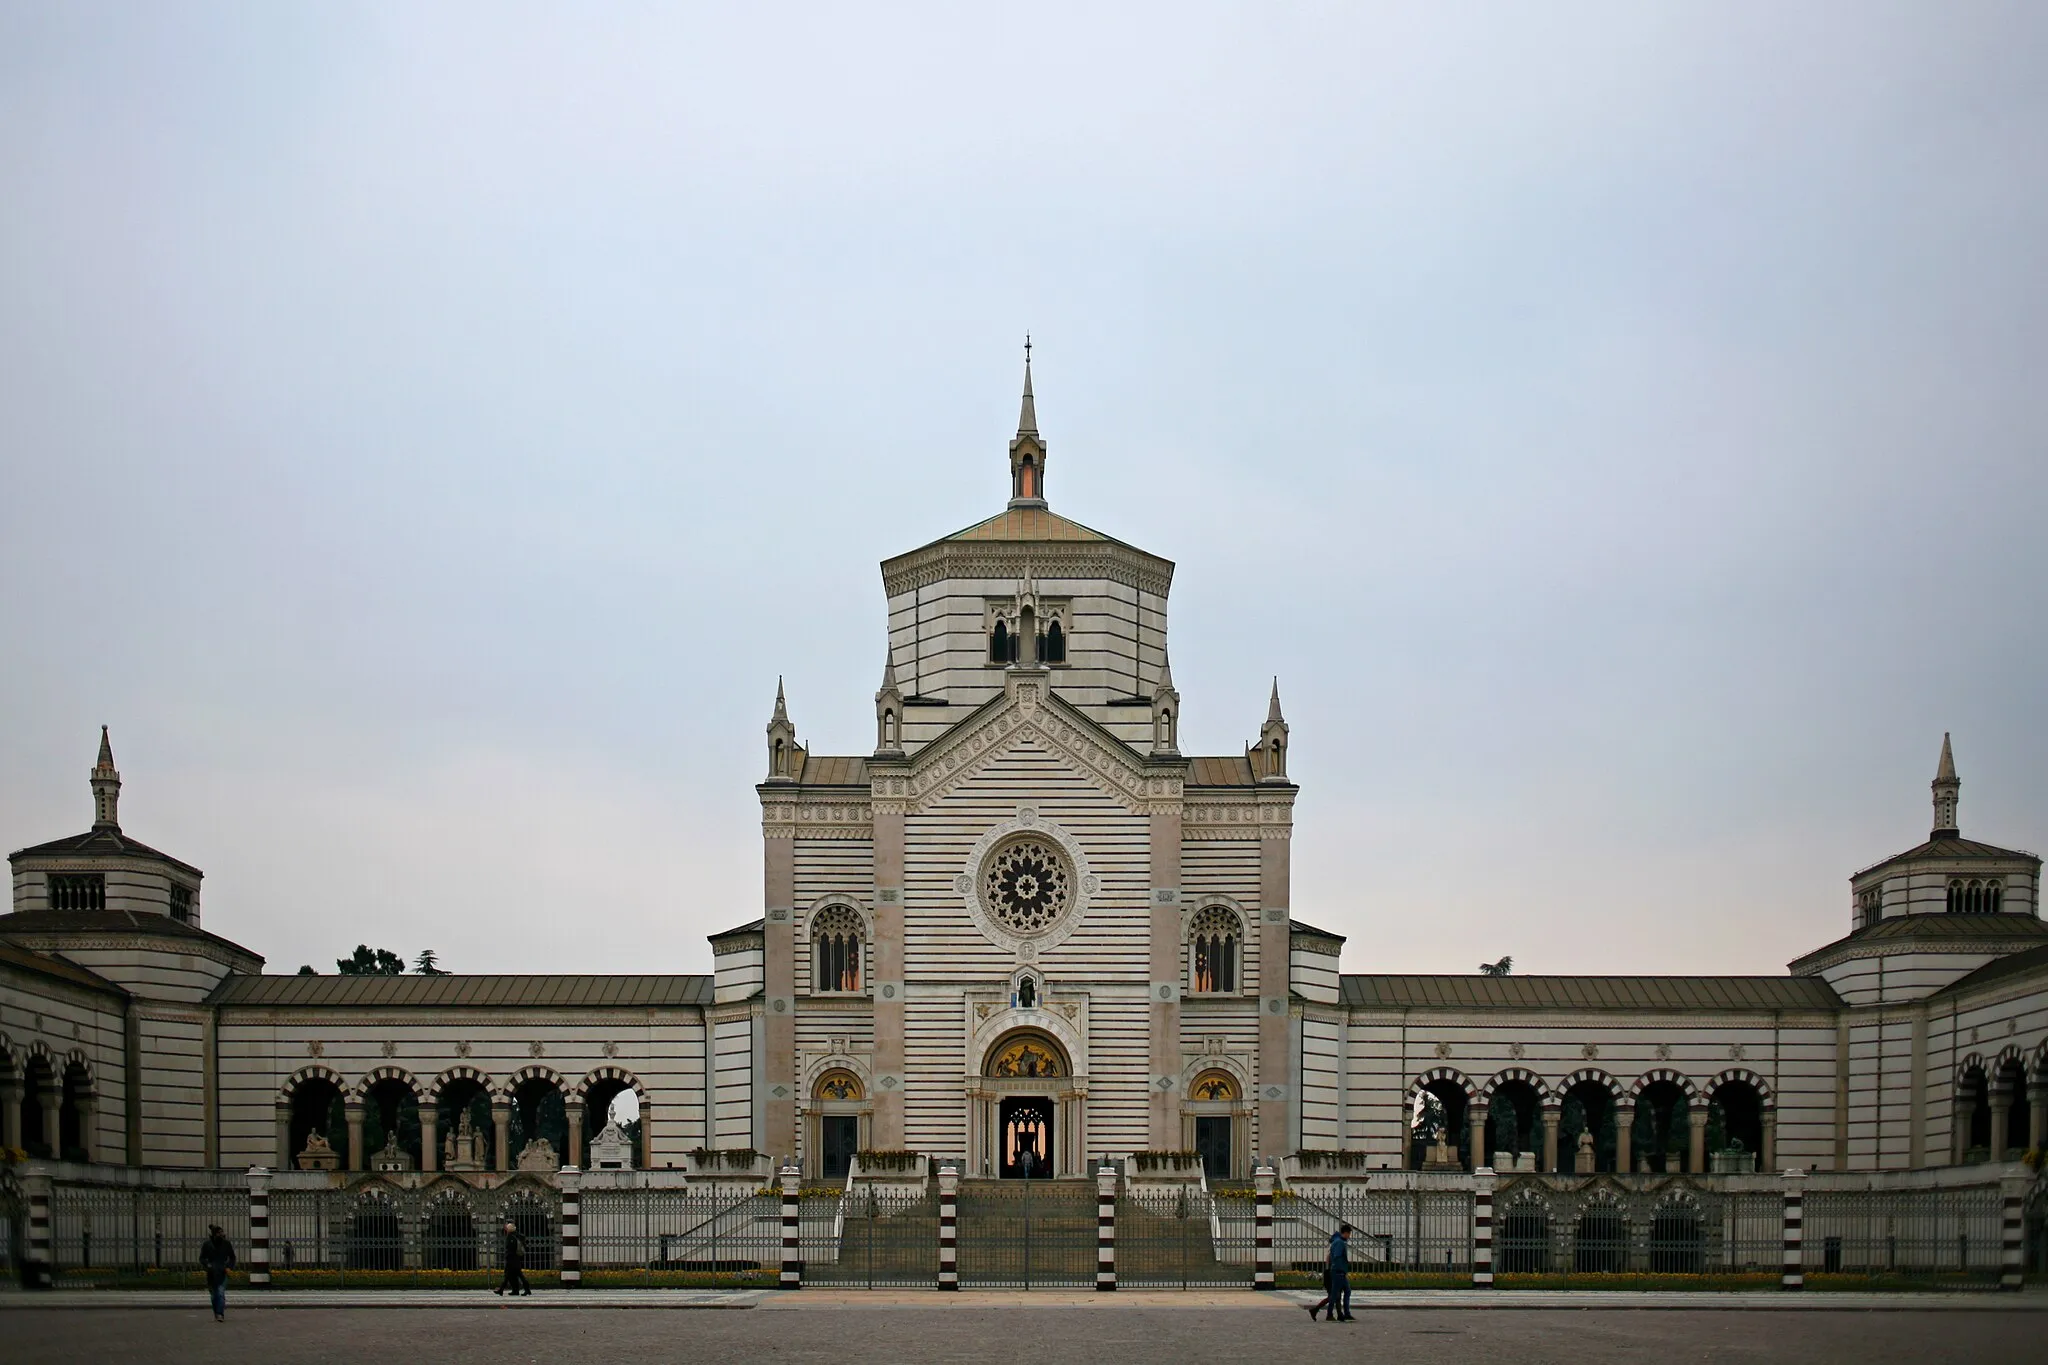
(1028, 485)
(78, 891)
(999, 644)
(1974, 897)
(1869, 906)
(181, 903)
(1216, 936)
(1055, 643)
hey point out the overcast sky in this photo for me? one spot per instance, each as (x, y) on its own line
(426, 432)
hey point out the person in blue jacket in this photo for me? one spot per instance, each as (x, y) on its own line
(1337, 1278)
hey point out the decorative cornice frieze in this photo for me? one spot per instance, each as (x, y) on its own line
(1045, 560)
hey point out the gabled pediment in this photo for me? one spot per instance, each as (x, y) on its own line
(1030, 708)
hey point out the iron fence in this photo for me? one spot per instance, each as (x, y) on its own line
(1423, 1232)
(108, 1235)
(1027, 1234)
(707, 1238)
(871, 1236)
(1561, 1232)
(380, 1234)
(1929, 1236)
(1183, 1238)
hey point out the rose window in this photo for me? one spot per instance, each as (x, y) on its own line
(1028, 886)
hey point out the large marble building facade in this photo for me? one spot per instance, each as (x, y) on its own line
(1025, 930)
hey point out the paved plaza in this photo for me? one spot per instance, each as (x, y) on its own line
(852, 1329)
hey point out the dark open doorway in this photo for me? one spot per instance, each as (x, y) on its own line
(838, 1141)
(1027, 1138)
(1212, 1140)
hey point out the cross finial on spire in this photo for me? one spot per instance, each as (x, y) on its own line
(1027, 414)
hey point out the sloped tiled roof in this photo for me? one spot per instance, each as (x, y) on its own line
(1962, 932)
(486, 992)
(49, 964)
(2013, 964)
(833, 770)
(1951, 848)
(100, 843)
(1297, 927)
(1589, 992)
(1028, 523)
(1229, 770)
(43, 923)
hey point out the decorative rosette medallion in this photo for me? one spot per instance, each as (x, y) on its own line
(1027, 883)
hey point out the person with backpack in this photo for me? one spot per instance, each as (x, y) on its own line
(515, 1264)
(1336, 1279)
(217, 1258)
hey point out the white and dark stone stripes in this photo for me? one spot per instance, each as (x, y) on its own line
(949, 1228)
(792, 1232)
(1794, 1276)
(1105, 1228)
(1482, 1231)
(39, 1256)
(572, 1227)
(1262, 1272)
(259, 1227)
(2011, 1257)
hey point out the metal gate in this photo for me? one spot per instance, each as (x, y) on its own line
(111, 1235)
(381, 1234)
(1181, 1238)
(871, 1236)
(1422, 1231)
(692, 1238)
(1027, 1234)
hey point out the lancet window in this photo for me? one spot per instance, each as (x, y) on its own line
(836, 933)
(1055, 650)
(1213, 951)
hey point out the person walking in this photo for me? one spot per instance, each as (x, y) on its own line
(217, 1258)
(515, 1263)
(1336, 1279)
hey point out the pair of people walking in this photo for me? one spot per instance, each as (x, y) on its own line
(1336, 1279)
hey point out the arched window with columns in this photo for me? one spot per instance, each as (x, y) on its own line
(1215, 937)
(837, 936)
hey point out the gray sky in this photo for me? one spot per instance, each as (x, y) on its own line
(427, 431)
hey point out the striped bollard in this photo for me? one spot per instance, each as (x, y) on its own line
(792, 1231)
(1482, 1228)
(1105, 1226)
(1262, 1272)
(949, 1227)
(1795, 1231)
(572, 1227)
(42, 1270)
(2012, 1261)
(259, 1227)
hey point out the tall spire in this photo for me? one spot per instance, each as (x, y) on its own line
(1027, 448)
(106, 787)
(1270, 753)
(785, 756)
(1027, 416)
(1948, 791)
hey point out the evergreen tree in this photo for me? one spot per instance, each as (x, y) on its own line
(426, 964)
(368, 962)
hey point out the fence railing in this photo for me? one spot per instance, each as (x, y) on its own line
(1918, 1230)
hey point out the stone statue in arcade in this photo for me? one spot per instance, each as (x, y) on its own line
(463, 1149)
(319, 1155)
(539, 1155)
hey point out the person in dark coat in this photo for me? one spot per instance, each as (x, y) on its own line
(515, 1264)
(1336, 1279)
(217, 1258)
